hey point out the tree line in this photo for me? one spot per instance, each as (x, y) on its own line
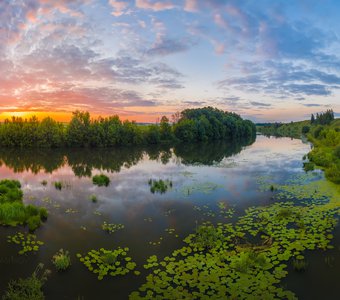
(190, 125)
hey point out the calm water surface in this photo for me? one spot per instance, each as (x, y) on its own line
(202, 176)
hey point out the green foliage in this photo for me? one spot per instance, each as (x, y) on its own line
(159, 186)
(29, 288)
(207, 236)
(308, 166)
(108, 262)
(61, 260)
(101, 180)
(305, 129)
(211, 124)
(82, 131)
(111, 228)
(94, 198)
(13, 212)
(34, 222)
(27, 242)
(324, 118)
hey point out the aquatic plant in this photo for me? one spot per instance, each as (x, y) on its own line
(108, 262)
(101, 180)
(28, 242)
(111, 227)
(28, 288)
(159, 186)
(93, 198)
(44, 182)
(12, 210)
(61, 260)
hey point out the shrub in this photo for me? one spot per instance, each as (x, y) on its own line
(29, 288)
(305, 129)
(101, 180)
(337, 151)
(61, 260)
(308, 166)
(333, 173)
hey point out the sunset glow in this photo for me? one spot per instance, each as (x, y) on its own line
(266, 60)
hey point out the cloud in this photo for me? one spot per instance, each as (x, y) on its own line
(165, 46)
(312, 104)
(155, 5)
(260, 104)
(191, 5)
(119, 7)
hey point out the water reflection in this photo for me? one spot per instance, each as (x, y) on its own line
(84, 161)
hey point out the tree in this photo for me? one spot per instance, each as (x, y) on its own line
(312, 119)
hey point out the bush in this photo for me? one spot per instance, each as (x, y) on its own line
(333, 173)
(308, 166)
(337, 151)
(101, 180)
(61, 260)
(29, 288)
(305, 129)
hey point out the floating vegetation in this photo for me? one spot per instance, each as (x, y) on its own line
(225, 211)
(12, 210)
(83, 227)
(201, 187)
(159, 186)
(47, 200)
(93, 198)
(148, 219)
(101, 180)
(111, 227)
(44, 182)
(28, 242)
(61, 260)
(28, 288)
(248, 259)
(104, 262)
(157, 242)
(97, 213)
(170, 230)
(152, 262)
(71, 211)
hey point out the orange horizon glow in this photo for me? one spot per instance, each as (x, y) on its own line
(66, 116)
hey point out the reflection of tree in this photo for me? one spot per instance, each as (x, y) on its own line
(84, 161)
(34, 160)
(210, 153)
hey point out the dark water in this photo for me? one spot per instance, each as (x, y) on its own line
(202, 175)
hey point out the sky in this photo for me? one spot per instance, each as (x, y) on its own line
(267, 60)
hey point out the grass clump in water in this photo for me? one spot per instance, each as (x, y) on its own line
(58, 185)
(44, 182)
(12, 210)
(101, 180)
(28, 288)
(94, 198)
(159, 186)
(61, 260)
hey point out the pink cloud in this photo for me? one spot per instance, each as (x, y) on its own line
(155, 6)
(191, 5)
(119, 7)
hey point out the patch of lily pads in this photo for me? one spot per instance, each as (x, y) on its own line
(105, 262)
(27, 242)
(111, 227)
(249, 259)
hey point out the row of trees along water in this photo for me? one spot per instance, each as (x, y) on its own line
(190, 125)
